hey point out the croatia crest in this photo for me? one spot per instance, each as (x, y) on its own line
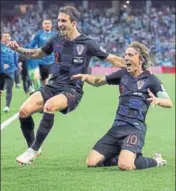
(140, 84)
(80, 49)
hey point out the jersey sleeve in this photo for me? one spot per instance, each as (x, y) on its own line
(157, 86)
(115, 77)
(95, 50)
(48, 46)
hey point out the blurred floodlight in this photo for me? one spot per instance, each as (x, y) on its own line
(125, 6)
(127, 2)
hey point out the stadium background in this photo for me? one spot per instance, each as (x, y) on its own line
(113, 24)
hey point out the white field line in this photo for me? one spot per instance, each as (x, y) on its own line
(8, 121)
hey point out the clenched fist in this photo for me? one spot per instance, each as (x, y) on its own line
(13, 45)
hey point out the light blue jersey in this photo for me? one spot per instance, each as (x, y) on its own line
(38, 41)
(9, 60)
(32, 63)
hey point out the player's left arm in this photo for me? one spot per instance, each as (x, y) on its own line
(116, 61)
(162, 99)
(96, 51)
(158, 95)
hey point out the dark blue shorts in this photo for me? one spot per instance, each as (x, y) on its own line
(120, 138)
(73, 97)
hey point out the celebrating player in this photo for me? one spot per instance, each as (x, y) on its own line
(138, 89)
(73, 52)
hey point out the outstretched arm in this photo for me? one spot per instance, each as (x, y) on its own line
(28, 53)
(92, 80)
(116, 61)
(162, 99)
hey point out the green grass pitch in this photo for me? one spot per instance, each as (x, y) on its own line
(61, 167)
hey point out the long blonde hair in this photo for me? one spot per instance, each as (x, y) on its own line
(143, 52)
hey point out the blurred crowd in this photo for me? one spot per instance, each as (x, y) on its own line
(155, 28)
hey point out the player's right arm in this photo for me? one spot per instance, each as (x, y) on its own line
(45, 50)
(28, 53)
(111, 79)
(90, 79)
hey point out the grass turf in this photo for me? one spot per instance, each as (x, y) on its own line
(61, 167)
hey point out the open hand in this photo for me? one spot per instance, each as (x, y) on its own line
(152, 98)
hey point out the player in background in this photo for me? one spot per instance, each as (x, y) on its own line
(73, 52)
(30, 75)
(2, 78)
(17, 78)
(9, 64)
(26, 82)
(33, 70)
(38, 41)
(34, 74)
(138, 90)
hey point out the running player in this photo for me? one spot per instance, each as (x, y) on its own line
(73, 52)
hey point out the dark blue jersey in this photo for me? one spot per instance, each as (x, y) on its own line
(72, 57)
(133, 104)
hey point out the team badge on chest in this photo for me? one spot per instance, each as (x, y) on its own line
(140, 84)
(80, 48)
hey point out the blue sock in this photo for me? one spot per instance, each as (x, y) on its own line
(44, 128)
(144, 162)
(27, 128)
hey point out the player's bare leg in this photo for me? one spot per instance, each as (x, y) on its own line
(33, 104)
(130, 161)
(56, 103)
(94, 159)
(126, 160)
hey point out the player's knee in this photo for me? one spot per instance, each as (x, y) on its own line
(48, 107)
(53, 106)
(90, 162)
(125, 165)
(23, 112)
(126, 160)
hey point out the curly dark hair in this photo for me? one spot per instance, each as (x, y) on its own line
(71, 11)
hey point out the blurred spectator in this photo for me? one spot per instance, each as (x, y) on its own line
(155, 28)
